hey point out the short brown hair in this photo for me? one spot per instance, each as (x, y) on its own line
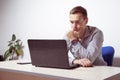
(79, 9)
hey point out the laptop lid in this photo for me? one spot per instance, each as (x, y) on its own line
(49, 53)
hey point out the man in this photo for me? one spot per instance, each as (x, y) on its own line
(84, 42)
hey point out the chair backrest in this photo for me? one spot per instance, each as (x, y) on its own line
(108, 54)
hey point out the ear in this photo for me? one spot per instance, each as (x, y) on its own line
(86, 20)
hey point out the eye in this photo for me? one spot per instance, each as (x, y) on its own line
(71, 22)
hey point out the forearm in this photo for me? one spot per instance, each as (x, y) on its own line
(82, 62)
(91, 52)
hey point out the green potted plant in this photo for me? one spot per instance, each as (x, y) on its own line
(15, 48)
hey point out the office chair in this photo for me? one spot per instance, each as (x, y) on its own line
(108, 54)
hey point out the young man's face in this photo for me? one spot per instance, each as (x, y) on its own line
(78, 22)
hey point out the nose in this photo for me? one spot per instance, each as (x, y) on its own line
(74, 25)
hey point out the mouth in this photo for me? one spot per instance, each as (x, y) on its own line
(75, 30)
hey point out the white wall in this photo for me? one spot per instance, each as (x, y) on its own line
(50, 19)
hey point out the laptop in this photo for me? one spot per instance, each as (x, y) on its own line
(49, 53)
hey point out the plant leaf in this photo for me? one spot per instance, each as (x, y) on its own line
(18, 49)
(17, 41)
(21, 45)
(17, 46)
(10, 44)
(7, 54)
(18, 52)
(13, 37)
(11, 48)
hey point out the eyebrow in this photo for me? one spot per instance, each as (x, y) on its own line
(77, 21)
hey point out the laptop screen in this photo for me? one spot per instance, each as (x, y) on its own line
(49, 53)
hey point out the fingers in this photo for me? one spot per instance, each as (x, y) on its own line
(76, 34)
(72, 35)
(83, 62)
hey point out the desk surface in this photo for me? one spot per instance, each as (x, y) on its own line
(89, 73)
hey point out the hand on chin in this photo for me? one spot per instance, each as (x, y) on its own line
(76, 34)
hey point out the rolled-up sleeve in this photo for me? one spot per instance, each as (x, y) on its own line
(71, 58)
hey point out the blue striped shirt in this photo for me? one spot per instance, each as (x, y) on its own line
(89, 47)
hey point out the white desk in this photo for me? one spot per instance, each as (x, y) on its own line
(10, 70)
